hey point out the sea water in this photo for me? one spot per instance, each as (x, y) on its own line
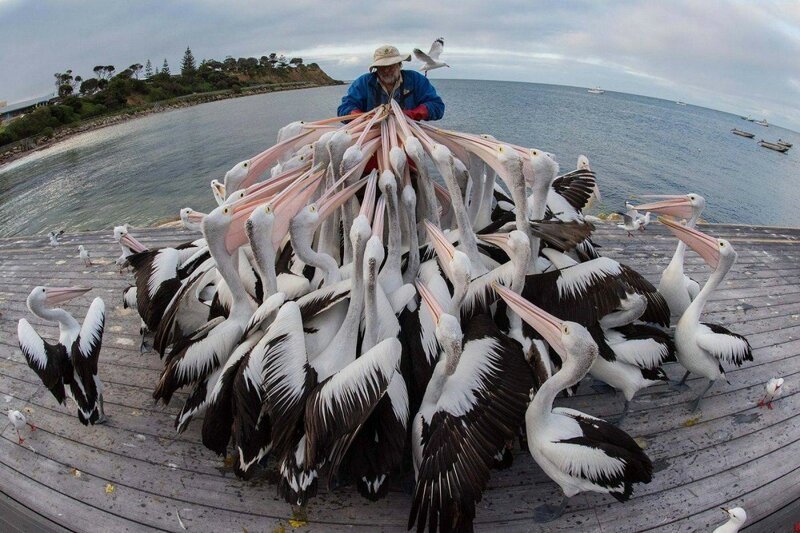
(145, 170)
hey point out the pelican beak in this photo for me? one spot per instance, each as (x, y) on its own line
(443, 248)
(218, 188)
(57, 295)
(377, 222)
(195, 216)
(705, 245)
(430, 300)
(497, 239)
(132, 243)
(443, 195)
(368, 205)
(333, 200)
(545, 323)
(674, 205)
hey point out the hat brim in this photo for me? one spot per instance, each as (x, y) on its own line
(392, 60)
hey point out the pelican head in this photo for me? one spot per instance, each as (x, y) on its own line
(191, 219)
(448, 329)
(719, 254)
(570, 340)
(235, 177)
(540, 166)
(122, 236)
(583, 163)
(515, 244)
(41, 297)
(688, 206)
(414, 149)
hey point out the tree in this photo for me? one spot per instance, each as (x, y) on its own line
(89, 86)
(165, 67)
(229, 64)
(148, 70)
(135, 69)
(103, 72)
(296, 61)
(282, 62)
(65, 83)
(188, 67)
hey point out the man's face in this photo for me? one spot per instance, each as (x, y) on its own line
(389, 75)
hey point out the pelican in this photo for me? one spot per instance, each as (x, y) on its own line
(191, 219)
(69, 367)
(431, 60)
(701, 347)
(736, 519)
(19, 421)
(774, 389)
(472, 406)
(677, 288)
(579, 452)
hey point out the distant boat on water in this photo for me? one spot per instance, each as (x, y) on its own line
(762, 122)
(747, 134)
(784, 143)
(596, 90)
(773, 146)
(680, 103)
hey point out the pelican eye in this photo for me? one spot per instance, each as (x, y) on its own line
(565, 329)
(226, 211)
(245, 164)
(268, 209)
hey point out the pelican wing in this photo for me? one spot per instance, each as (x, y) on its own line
(657, 311)
(84, 354)
(218, 420)
(581, 293)
(341, 403)
(320, 300)
(591, 449)
(49, 361)
(265, 314)
(576, 187)
(285, 375)
(723, 344)
(481, 406)
(197, 400)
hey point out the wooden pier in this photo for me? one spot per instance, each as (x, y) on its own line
(134, 474)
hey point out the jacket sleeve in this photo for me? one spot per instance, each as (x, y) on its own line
(356, 97)
(427, 95)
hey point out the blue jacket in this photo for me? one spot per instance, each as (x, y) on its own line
(366, 93)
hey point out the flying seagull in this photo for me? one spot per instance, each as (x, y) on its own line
(431, 59)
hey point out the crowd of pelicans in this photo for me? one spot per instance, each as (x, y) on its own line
(349, 318)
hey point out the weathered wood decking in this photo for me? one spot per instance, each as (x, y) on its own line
(136, 474)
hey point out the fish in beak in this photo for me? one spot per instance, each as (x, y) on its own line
(706, 246)
(547, 325)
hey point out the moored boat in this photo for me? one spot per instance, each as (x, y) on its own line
(773, 146)
(737, 131)
(596, 90)
(762, 122)
(784, 143)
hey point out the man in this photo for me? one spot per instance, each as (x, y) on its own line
(385, 80)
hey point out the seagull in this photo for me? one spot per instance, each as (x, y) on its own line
(631, 222)
(774, 389)
(431, 59)
(19, 421)
(736, 520)
(54, 235)
(84, 254)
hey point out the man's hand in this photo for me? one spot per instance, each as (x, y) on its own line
(418, 113)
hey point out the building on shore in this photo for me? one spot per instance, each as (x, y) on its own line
(8, 112)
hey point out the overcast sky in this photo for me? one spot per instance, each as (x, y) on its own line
(736, 56)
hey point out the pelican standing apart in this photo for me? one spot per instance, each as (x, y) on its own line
(677, 288)
(774, 389)
(68, 368)
(431, 59)
(702, 347)
(736, 519)
(19, 421)
(84, 255)
(577, 451)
